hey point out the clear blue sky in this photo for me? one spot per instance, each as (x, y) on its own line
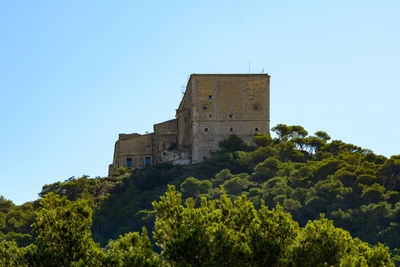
(74, 74)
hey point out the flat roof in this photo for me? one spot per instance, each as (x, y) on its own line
(230, 74)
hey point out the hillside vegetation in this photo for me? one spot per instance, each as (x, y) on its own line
(308, 176)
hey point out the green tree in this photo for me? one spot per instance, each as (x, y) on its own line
(236, 185)
(232, 234)
(321, 244)
(285, 132)
(131, 249)
(192, 187)
(322, 135)
(262, 139)
(373, 193)
(62, 230)
(271, 236)
(11, 255)
(282, 130)
(224, 233)
(266, 169)
(222, 176)
(232, 143)
(390, 173)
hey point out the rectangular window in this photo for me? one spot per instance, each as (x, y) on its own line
(206, 129)
(147, 161)
(129, 162)
(210, 97)
(231, 129)
(256, 129)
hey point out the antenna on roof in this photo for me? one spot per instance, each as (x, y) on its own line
(183, 89)
(249, 65)
(262, 72)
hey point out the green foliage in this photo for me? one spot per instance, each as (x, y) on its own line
(96, 188)
(120, 171)
(285, 132)
(321, 244)
(192, 187)
(266, 169)
(236, 185)
(63, 238)
(262, 139)
(221, 177)
(390, 173)
(306, 175)
(232, 143)
(222, 233)
(132, 249)
(322, 135)
(62, 230)
(11, 255)
(15, 221)
(373, 193)
(125, 209)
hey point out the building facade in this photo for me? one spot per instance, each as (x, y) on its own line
(213, 107)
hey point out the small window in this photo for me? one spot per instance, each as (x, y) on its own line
(147, 145)
(129, 162)
(257, 107)
(206, 129)
(204, 108)
(231, 116)
(209, 96)
(256, 129)
(185, 119)
(231, 129)
(147, 161)
(209, 115)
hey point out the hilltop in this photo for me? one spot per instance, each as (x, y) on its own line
(308, 175)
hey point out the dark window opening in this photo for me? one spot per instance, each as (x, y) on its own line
(205, 108)
(231, 115)
(231, 129)
(129, 162)
(210, 97)
(209, 115)
(185, 119)
(147, 161)
(206, 129)
(147, 145)
(256, 129)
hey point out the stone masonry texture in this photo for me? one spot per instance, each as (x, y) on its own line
(213, 107)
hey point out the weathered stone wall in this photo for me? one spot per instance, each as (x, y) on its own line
(214, 106)
(227, 104)
(134, 146)
(176, 157)
(127, 136)
(185, 120)
(164, 138)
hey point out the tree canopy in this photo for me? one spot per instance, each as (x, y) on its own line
(305, 175)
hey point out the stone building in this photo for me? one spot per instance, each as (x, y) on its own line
(213, 107)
